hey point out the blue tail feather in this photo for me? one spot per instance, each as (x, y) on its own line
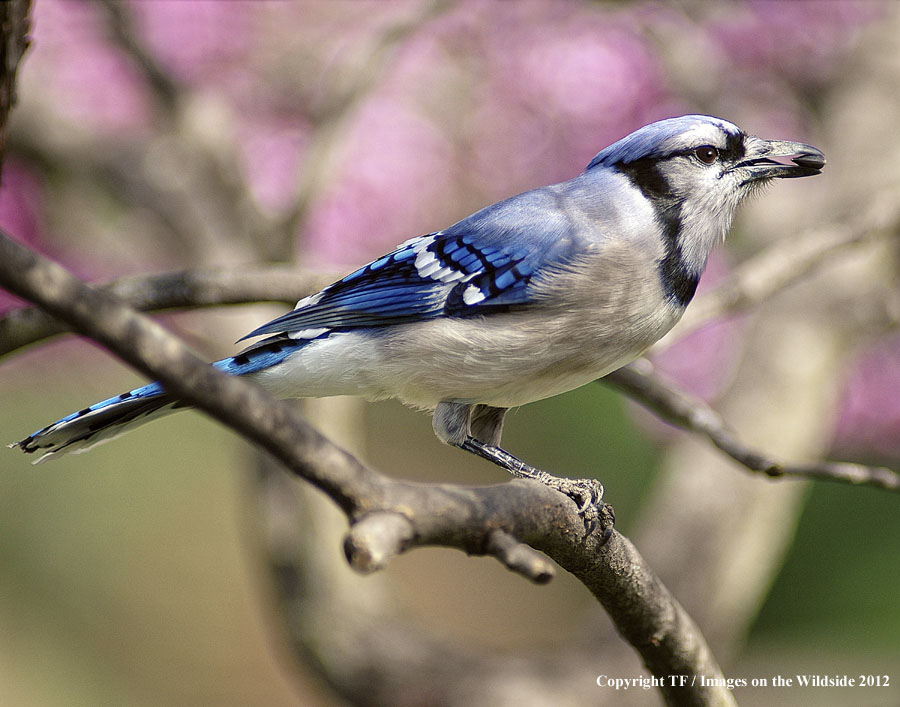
(104, 420)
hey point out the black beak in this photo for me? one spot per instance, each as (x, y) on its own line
(768, 159)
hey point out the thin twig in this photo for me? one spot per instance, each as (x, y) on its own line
(164, 86)
(201, 287)
(640, 383)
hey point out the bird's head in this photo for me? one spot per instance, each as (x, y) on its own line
(679, 157)
(696, 170)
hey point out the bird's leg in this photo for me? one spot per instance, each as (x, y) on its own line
(477, 429)
(585, 492)
(486, 424)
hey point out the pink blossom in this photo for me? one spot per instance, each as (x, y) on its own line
(869, 418)
(74, 65)
(21, 201)
(703, 361)
(271, 148)
(198, 41)
(390, 174)
(568, 80)
(21, 205)
(800, 39)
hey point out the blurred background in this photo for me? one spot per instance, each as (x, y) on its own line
(175, 567)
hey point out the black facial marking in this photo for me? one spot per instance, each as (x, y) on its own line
(646, 175)
(734, 147)
(678, 282)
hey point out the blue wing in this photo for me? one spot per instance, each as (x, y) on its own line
(481, 265)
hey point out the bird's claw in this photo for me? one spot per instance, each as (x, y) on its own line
(585, 492)
(588, 496)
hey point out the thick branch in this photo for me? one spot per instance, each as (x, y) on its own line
(643, 610)
(639, 382)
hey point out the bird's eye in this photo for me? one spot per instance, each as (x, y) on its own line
(707, 154)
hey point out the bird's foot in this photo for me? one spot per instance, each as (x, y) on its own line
(588, 496)
(587, 493)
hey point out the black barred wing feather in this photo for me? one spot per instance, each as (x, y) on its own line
(438, 275)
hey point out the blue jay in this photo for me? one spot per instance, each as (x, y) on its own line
(528, 298)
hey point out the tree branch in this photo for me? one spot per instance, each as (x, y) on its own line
(639, 382)
(164, 87)
(414, 515)
(14, 28)
(201, 287)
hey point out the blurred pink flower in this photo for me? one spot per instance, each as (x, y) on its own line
(21, 201)
(703, 361)
(73, 64)
(869, 419)
(392, 170)
(198, 41)
(561, 82)
(21, 204)
(800, 39)
(481, 101)
(271, 146)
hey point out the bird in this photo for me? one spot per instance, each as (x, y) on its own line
(525, 299)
